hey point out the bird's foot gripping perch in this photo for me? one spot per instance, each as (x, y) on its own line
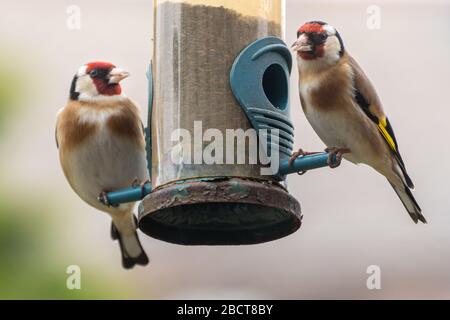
(103, 199)
(138, 184)
(301, 161)
(335, 156)
(300, 154)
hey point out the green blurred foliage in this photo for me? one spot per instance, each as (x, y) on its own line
(31, 263)
(10, 88)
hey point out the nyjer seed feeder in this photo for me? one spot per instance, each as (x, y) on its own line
(222, 64)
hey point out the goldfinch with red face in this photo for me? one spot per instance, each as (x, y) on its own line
(102, 148)
(345, 111)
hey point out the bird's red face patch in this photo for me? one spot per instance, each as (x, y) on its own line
(319, 52)
(99, 65)
(311, 28)
(106, 89)
(309, 55)
(99, 72)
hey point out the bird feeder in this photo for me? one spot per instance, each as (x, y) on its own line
(219, 66)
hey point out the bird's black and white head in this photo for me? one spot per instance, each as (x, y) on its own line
(97, 80)
(318, 44)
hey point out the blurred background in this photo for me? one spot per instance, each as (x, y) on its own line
(352, 218)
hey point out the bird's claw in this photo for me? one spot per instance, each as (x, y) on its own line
(138, 184)
(103, 199)
(335, 156)
(135, 183)
(142, 185)
(300, 154)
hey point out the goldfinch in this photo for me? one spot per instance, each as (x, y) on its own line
(101, 145)
(345, 111)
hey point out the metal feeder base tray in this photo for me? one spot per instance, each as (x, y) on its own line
(230, 211)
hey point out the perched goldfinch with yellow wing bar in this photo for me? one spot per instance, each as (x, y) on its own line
(102, 148)
(345, 111)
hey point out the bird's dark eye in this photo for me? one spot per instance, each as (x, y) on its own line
(318, 38)
(94, 73)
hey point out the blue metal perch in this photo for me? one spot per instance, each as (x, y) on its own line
(306, 163)
(301, 164)
(131, 194)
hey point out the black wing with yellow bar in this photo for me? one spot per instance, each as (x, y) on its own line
(386, 130)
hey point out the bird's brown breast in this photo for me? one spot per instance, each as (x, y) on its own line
(328, 88)
(126, 123)
(123, 121)
(71, 132)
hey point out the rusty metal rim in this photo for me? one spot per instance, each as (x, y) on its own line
(218, 178)
(235, 190)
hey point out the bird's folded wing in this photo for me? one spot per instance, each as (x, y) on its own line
(367, 98)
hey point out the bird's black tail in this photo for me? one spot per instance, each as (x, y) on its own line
(131, 248)
(410, 203)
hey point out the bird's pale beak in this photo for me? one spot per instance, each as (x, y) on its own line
(116, 75)
(302, 44)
